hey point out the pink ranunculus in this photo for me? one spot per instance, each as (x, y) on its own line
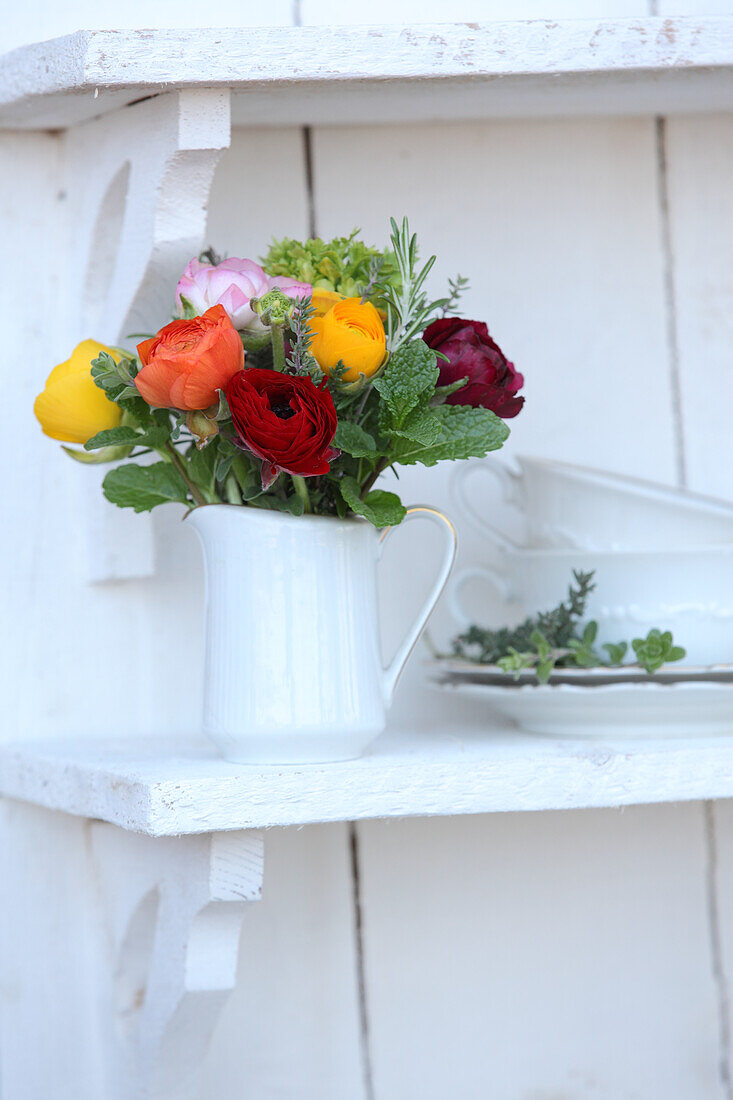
(231, 284)
(291, 287)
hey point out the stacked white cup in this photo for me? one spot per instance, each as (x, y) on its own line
(662, 557)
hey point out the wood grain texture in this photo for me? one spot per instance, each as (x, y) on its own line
(691, 59)
(560, 955)
(320, 12)
(700, 165)
(173, 909)
(139, 207)
(51, 939)
(291, 1027)
(167, 788)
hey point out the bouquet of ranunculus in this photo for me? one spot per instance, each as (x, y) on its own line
(292, 385)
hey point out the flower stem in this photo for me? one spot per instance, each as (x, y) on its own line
(380, 468)
(302, 490)
(169, 452)
(278, 346)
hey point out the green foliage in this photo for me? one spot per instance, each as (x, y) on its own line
(188, 310)
(656, 650)
(104, 454)
(300, 361)
(443, 392)
(247, 472)
(380, 508)
(408, 380)
(344, 264)
(407, 303)
(144, 487)
(422, 427)
(201, 468)
(456, 288)
(558, 626)
(554, 639)
(616, 652)
(128, 437)
(464, 432)
(118, 382)
(354, 440)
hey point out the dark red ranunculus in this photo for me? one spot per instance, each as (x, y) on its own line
(492, 380)
(285, 420)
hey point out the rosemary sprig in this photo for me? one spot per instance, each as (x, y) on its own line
(408, 307)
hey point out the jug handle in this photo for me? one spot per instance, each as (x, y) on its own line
(509, 482)
(481, 572)
(393, 670)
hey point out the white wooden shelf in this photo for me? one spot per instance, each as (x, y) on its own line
(163, 787)
(291, 75)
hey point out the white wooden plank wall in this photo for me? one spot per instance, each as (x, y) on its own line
(572, 278)
(517, 958)
(539, 956)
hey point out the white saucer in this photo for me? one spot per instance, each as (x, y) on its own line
(619, 710)
(457, 670)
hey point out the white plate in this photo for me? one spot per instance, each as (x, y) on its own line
(621, 710)
(456, 670)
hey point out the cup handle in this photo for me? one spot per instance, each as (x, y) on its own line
(509, 482)
(492, 576)
(393, 670)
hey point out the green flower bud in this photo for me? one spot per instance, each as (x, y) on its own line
(202, 426)
(273, 308)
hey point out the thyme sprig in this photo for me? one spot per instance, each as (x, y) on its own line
(557, 639)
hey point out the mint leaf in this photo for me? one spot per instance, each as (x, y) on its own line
(465, 432)
(127, 437)
(144, 487)
(354, 440)
(410, 374)
(380, 508)
(421, 426)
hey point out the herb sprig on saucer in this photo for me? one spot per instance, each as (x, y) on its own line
(559, 639)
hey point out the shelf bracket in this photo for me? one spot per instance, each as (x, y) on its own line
(172, 910)
(137, 186)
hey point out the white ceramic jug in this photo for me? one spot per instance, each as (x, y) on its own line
(293, 670)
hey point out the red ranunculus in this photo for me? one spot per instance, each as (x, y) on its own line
(285, 420)
(492, 380)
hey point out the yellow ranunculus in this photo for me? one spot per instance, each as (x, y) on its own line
(352, 332)
(324, 300)
(72, 407)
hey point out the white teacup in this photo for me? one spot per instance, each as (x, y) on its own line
(689, 592)
(575, 506)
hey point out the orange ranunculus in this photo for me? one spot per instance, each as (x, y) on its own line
(188, 361)
(324, 300)
(352, 331)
